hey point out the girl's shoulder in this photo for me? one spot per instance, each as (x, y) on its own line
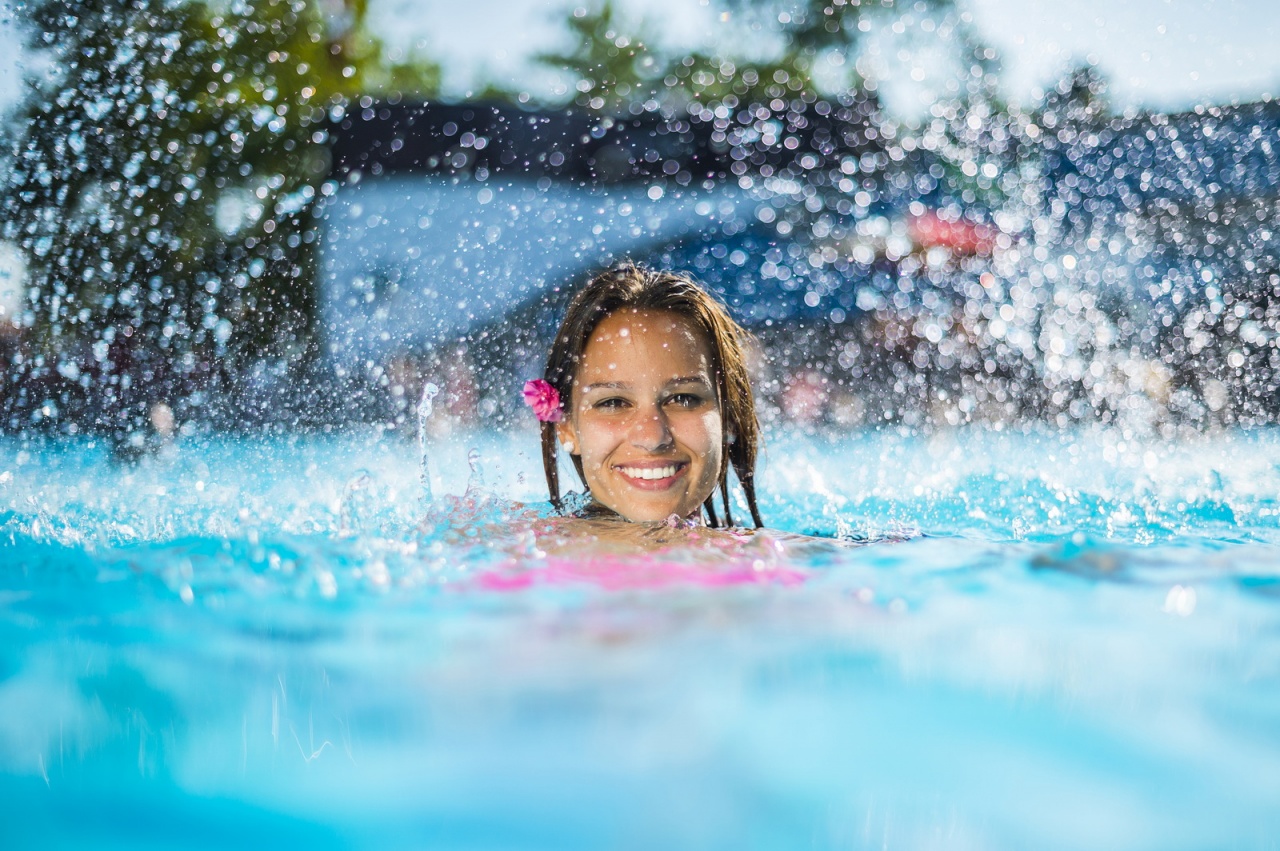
(589, 535)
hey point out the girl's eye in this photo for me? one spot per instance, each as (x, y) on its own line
(686, 400)
(611, 403)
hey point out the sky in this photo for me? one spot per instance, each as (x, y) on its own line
(1161, 54)
(1167, 54)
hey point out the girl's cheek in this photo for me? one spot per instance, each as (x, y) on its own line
(595, 429)
(712, 426)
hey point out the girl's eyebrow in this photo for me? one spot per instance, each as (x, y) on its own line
(606, 385)
(622, 385)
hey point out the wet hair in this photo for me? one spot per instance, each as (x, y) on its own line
(633, 287)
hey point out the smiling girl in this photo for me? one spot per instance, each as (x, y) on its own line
(646, 390)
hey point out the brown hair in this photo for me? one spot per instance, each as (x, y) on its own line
(638, 288)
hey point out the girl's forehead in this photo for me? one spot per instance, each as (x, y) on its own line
(633, 344)
(634, 325)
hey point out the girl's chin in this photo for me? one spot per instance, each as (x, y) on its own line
(652, 513)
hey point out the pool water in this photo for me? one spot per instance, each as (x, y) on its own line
(255, 643)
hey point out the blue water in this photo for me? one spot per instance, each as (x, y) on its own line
(250, 643)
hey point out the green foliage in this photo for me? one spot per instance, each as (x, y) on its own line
(166, 170)
(618, 71)
(614, 69)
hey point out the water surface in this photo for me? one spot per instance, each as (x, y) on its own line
(253, 640)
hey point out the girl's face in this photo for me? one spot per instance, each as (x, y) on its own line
(645, 416)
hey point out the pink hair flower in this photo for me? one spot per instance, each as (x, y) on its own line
(544, 399)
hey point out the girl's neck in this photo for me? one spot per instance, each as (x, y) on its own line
(596, 510)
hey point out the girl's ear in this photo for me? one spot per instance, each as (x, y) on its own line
(564, 433)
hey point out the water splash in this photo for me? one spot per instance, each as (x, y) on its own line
(355, 499)
(429, 393)
(475, 482)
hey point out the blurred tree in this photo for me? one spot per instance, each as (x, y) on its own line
(617, 70)
(163, 175)
(614, 69)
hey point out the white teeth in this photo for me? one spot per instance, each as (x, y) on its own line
(649, 473)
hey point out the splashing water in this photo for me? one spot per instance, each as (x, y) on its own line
(475, 482)
(354, 497)
(429, 393)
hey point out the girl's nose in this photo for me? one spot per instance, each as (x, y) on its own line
(650, 430)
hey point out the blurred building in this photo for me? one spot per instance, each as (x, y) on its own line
(447, 218)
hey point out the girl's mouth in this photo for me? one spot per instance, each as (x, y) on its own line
(651, 477)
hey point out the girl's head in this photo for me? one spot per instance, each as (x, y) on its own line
(657, 402)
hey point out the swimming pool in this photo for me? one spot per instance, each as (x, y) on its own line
(247, 642)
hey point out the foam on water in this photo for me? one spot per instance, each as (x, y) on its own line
(1078, 647)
